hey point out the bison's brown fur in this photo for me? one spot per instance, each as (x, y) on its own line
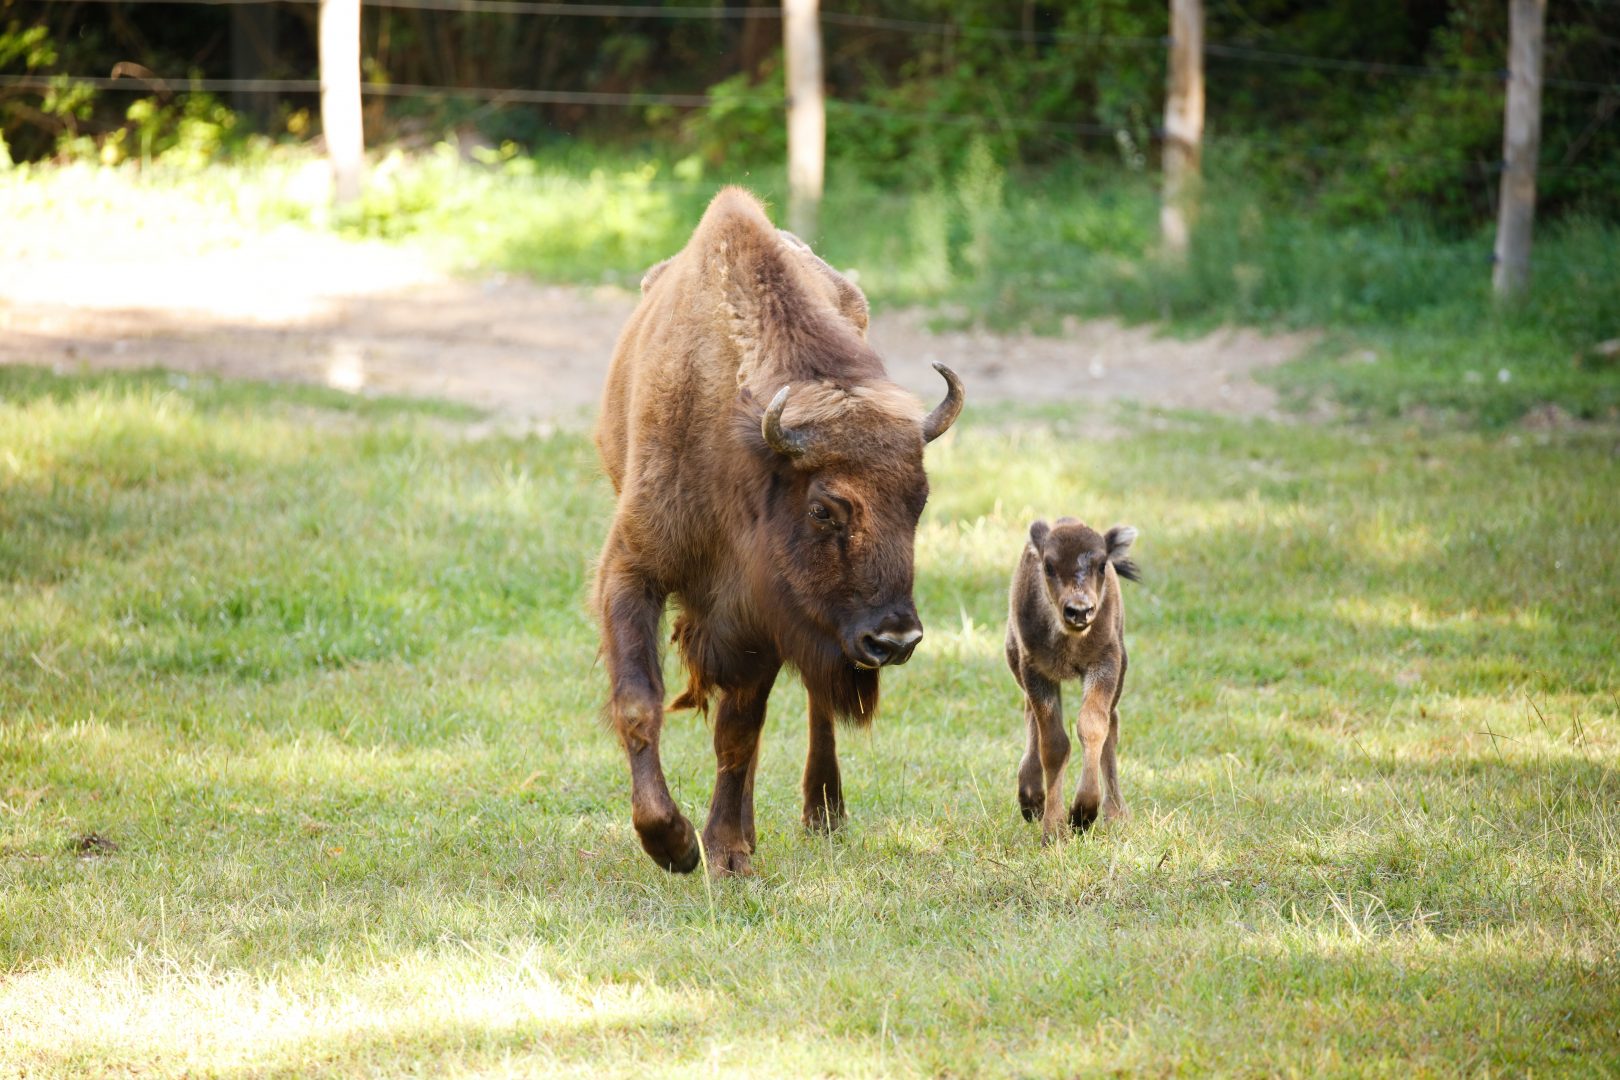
(783, 533)
(1066, 620)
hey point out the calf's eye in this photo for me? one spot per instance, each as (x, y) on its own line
(821, 513)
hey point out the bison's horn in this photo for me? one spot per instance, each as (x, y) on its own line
(784, 441)
(945, 413)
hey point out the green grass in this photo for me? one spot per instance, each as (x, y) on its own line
(1414, 330)
(329, 689)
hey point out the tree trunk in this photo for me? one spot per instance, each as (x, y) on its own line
(1521, 145)
(806, 116)
(340, 97)
(1183, 125)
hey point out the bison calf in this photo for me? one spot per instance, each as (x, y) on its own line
(1066, 620)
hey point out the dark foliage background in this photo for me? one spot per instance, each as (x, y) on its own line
(1042, 82)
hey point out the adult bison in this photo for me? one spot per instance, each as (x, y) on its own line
(784, 532)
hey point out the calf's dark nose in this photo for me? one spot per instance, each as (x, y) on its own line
(1077, 614)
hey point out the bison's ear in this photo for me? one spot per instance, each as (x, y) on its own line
(1038, 533)
(1119, 540)
(652, 275)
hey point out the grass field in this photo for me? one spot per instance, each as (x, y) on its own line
(302, 773)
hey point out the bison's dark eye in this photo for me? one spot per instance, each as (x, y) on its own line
(821, 514)
(1051, 568)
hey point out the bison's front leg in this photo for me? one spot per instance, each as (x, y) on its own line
(823, 790)
(630, 610)
(728, 838)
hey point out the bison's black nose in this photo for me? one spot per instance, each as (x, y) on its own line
(1077, 615)
(890, 647)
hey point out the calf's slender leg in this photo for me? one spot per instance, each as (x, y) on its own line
(1114, 800)
(1096, 708)
(1031, 793)
(630, 607)
(1031, 797)
(1114, 804)
(823, 789)
(1046, 706)
(737, 725)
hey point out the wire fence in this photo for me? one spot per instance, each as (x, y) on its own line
(1462, 165)
(1217, 49)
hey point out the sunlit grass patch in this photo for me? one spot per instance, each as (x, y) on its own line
(157, 1014)
(302, 767)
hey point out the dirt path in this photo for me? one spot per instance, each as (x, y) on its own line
(305, 306)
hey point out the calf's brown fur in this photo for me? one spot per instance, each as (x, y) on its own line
(1066, 620)
(783, 532)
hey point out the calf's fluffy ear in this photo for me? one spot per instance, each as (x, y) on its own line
(1119, 540)
(1038, 533)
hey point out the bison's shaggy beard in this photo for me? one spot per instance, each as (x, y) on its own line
(851, 692)
(712, 666)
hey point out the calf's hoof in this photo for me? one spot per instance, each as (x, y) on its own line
(1032, 804)
(824, 820)
(1081, 817)
(672, 843)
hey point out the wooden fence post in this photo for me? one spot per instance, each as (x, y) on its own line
(1521, 145)
(806, 115)
(340, 96)
(1183, 125)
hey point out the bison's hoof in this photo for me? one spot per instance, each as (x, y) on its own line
(825, 820)
(1032, 804)
(730, 864)
(672, 844)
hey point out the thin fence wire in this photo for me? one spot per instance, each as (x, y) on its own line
(1377, 67)
(1215, 49)
(1462, 165)
(514, 95)
(1330, 63)
(518, 95)
(502, 7)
